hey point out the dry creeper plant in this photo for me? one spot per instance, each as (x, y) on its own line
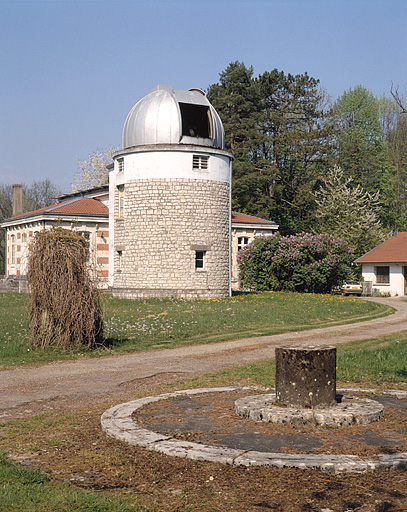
(65, 309)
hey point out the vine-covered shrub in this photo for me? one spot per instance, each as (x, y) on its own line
(65, 306)
(302, 262)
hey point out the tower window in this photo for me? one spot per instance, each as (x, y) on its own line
(195, 120)
(200, 162)
(120, 164)
(120, 189)
(199, 259)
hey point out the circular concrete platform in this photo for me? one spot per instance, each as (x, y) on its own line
(348, 411)
(117, 422)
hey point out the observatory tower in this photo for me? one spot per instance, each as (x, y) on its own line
(169, 189)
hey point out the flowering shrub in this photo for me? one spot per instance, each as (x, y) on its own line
(302, 262)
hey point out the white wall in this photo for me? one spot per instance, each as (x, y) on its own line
(396, 285)
(162, 162)
(175, 163)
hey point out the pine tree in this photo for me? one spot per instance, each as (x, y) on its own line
(274, 126)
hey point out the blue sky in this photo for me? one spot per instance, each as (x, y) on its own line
(70, 71)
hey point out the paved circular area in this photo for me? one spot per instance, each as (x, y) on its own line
(348, 411)
(118, 423)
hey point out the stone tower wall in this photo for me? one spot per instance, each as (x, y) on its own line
(165, 222)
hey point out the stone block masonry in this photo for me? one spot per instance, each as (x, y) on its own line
(165, 223)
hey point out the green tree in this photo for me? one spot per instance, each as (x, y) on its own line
(274, 126)
(236, 100)
(348, 212)
(367, 130)
(296, 142)
(397, 147)
(360, 136)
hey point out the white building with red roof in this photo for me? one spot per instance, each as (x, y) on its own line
(385, 266)
(87, 212)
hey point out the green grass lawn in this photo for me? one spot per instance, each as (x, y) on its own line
(147, 324)
(368, 363)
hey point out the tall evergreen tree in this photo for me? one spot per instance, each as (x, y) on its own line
(274, 126)
(235, 98)
(296, 140)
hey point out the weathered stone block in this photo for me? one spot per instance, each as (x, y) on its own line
(306, 376)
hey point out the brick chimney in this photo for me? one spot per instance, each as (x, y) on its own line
(17, 199)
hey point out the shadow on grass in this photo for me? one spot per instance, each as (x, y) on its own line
(402, 372)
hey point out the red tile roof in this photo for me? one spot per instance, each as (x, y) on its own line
(74, 207)
(83, 206)
(242, 217)
(393, 250)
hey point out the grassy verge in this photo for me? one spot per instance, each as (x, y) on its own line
(28, 490)
(379, 362)
(132, 325)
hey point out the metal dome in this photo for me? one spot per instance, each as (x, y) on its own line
(173, 116)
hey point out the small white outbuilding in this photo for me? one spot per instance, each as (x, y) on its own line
(385, 266)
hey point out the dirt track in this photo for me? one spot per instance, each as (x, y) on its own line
(28, 390)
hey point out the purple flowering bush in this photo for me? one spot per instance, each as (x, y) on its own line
(302, 263)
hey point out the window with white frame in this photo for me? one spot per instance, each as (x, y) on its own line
(120, 164)
(382, 275)
(242, 241)
(120, 190)
(199, 260)
(200, 162)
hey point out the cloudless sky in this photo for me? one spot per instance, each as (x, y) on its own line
(70, 71)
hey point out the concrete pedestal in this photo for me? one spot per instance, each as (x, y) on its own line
(306, 376)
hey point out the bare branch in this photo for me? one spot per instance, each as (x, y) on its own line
(398, 100)
(93, 172)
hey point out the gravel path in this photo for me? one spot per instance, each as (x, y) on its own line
(24, 390)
